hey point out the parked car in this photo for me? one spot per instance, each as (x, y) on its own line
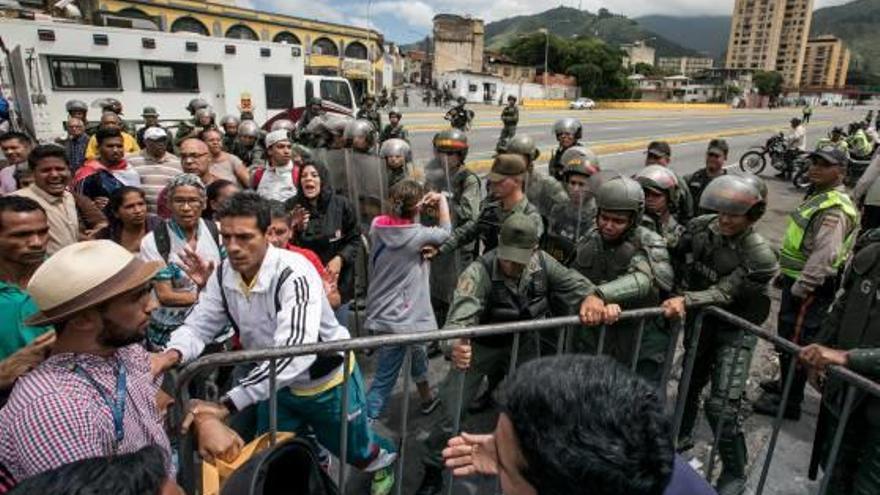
(582, 104)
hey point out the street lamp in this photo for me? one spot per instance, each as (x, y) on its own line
(546, 55)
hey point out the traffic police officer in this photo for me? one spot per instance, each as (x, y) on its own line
(850, 337)
(728, 264)
(568, 132)
(570, 220)
(631, 266)
(817, 242)
(542, 190)
(515, 282)
(510, 119)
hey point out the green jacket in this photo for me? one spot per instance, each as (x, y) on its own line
(15, 306)
(488, 225)
(510, 116)
(545, 192)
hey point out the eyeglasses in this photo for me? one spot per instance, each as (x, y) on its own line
(181, 202)
(191, 156)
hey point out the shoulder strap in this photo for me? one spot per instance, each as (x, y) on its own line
(163, 240)
(223, 300)
(215, 234)
(258, 176)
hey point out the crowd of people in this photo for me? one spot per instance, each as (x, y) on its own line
(127, 253)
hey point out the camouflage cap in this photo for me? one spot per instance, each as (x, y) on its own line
(518, 239)
(507, 165)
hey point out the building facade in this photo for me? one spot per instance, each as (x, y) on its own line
(637, 53)
(458, 44)
(329, 49)
(684, 65)
(508, 70)
(417, 67)
(826, 63)
(770, 35)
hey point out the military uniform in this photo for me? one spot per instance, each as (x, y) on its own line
(671, 231)
(510, 119)
(555, 166)
(253, 157)
(567, 224)
(371, 114)
(696, 183)
(394, 132)
(459, 117)
(852, 326)
(731, 272)
(185, 129)
(545, 192)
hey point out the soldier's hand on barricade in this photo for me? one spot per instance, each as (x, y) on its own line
(461, 354)
(216, 440)
(468, 455)
(592, 310)
(820, 357)
(612, 314)
(674, 307)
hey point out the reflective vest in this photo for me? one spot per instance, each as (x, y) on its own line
(793, 258)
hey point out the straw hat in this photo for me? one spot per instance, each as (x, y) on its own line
(83, 275)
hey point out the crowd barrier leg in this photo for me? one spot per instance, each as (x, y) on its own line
(514, 355)
(601, 345)
(838, 437)
(777, 425)
(273, 403)
(404, 420)
(343, 426)
(639, 334)
(561, 341)
(670, 357)
(685, 382)
(456, 424)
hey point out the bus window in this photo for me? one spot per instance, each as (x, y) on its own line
(338, 92)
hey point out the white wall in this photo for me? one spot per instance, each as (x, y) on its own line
(222, 77)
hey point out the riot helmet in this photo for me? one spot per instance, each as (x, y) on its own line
(622, 194)
(568, 125)
(249, 128)
(661, 179)
(76, 106)
(395, 147)
(451, 141)
(733, 195)
(285, 124)
(579, 160)
(357, 130)
(229, 119)
(522, 144)
(195, 104)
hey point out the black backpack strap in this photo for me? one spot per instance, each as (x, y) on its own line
(223, 299)
(215, 233)
(163, 240)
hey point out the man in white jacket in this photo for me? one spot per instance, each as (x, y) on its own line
(275, 298)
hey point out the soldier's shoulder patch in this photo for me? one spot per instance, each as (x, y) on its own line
(466, 286)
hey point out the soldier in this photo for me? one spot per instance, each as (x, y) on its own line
(728, 264)
(517, 281)
(572, 219)
(383, 99)
(460, 117)
(394, 129)
(817, 242)
(393, 97)
(369, 112)
(115, 106)
(247, 146)
(850, 338)
(285, 124)
(660, 153)
(185, 129)
(80, 109)
(229, 124)
(542, 190)
(447, 173)
(661, 198)
(716, 155)
(151, 119)
(406, 97)
(568, 132)
(438, 98)
(426, 97)
(510, 118)
(397, 156)
(315, 109)
(631, 266)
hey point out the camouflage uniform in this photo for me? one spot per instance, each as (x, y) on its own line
(370, 113)
(394, 132)
(510, 119)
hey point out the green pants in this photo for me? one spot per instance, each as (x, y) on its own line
(322, 414)
(486, 362)
(619, 342)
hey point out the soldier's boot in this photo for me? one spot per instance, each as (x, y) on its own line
(732, 450)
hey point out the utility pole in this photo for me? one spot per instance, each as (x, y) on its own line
(546, 56)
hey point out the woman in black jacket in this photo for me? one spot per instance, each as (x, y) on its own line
(325, 222)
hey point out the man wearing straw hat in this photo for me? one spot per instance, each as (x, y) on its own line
(95, 396)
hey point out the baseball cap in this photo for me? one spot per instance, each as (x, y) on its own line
(719, 147)
(155, 134)
(518, 239)
(507, 165)
(831, 154)
(276, 137)
(659, 148)
(149, 112)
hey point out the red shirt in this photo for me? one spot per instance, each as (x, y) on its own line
(311, 256)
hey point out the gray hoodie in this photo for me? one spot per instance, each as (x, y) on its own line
(399, 295)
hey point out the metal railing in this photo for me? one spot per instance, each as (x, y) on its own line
(565, 325)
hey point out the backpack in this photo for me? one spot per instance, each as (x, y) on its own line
(288, 467)
(163, 237)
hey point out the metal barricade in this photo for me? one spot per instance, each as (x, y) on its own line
(565, 325)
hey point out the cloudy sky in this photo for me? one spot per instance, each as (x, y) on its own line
(404, 21)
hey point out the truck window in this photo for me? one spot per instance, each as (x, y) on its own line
(338, 92)
(279, 92)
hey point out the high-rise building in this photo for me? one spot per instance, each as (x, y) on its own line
(770, 35)
(825, 63)
(684, 65)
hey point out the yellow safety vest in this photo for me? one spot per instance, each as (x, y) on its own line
(793, 258)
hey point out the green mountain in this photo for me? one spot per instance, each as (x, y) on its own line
(567, 22)
(705, 34)
(858, 25)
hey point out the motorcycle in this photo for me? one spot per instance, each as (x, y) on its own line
(775, 149)
(800, 165)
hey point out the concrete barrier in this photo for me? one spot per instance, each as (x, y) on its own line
(551, 104)
(659, 105)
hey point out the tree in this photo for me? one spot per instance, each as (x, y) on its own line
(769, 83)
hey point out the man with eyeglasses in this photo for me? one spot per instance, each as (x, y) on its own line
(195, 158)
(716, 156)
(185, 231)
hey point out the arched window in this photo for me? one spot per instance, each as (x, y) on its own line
(242, 32)
(325, 46)
(356, 49)
(133, 13)
(286, 37)
(189, 25)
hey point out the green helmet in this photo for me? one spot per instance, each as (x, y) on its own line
(758, 182)
(579, 160)
(522, 144)
(76, 106)
(659, 178)
(203, 112)
(622, 194)
(230, 119)
(451, 141)
(568, 125)
(872, 197)
(730, 194)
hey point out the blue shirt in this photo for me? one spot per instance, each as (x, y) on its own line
(686, 481)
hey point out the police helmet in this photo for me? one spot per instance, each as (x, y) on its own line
(568, 125)
(622, 194)
(204, 112)
(758, 183)
(195, 104)
(522, 144)
(579, 160)
(451, 141)
(659, 178)
(731, 194)
(230, 119)
(285, 124)
(76, 106)
(249, 128)
(111, 105)
(359, 128)
(396, 147)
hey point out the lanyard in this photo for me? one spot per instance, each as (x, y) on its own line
(117, 407)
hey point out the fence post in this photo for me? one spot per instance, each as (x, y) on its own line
(343, 427)
(273, 403)
(639, 334)
(407, 378)
(601, 346)
(777, 425)
(514, 355)
(456, 424)
(685, 383)
(670, 357)
(838, 438)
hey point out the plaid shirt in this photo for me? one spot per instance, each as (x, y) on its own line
(55, 416)
(76, 151)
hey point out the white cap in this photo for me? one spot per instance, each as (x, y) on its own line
(276, 137)
(155, 134)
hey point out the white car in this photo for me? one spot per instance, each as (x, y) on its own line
(582, 104)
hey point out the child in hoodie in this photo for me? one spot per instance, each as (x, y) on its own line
(399, 294)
